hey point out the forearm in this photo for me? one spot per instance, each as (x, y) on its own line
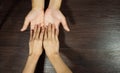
(56, 4)
(37, 4)
(31, 64)
(58, 64)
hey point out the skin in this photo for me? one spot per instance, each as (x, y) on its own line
(35, 16)
(51, 46)
(49, 40)
(36, 40)
(35, 44)
(52, 15)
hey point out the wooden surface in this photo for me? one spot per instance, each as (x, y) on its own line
(92, 45)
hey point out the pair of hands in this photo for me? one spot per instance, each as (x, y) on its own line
(46, 38)
(50, 16)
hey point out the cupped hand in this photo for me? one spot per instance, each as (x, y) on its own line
(35, 42)
(55, 16)
(34, 17)
(51, 42)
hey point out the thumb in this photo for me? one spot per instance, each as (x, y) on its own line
(65, 26)
(26, 23)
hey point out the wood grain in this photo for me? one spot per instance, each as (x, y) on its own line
(92, 45)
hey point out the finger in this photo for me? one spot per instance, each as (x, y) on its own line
(32, 25)
(31, 35)
(45, 35)
(34, 34)
(26, 23)
(31, 38)
(53, 31)
(56, 34)
(64, 24)
(42, 33)
(57, 24)
(38, 31)
(49, 31)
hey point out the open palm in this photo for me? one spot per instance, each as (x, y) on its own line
(34, 17)
(55, 16)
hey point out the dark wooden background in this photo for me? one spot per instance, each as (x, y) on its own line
(92, 45)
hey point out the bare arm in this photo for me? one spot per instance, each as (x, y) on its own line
(59, 64)
(56, 4)
(35, 16)
(51, 46)
(30, 64)
(54, 16)
(35, 44)
(37, 4)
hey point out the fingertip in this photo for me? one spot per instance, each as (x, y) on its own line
(57, 27)
(43, 29)
(22, 29)
(32, 27)
(45, 26)
(42, 25)
(68, 29)
(25, 25)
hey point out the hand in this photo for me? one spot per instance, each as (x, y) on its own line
(34, 17)
(51, 46)
(54, 16)
(51, 42)
(35, 43)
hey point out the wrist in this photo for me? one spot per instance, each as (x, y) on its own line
(55, 4)
(52, 7)
(40, 9)
(35, 56)
(52, 55)
(37, 4)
